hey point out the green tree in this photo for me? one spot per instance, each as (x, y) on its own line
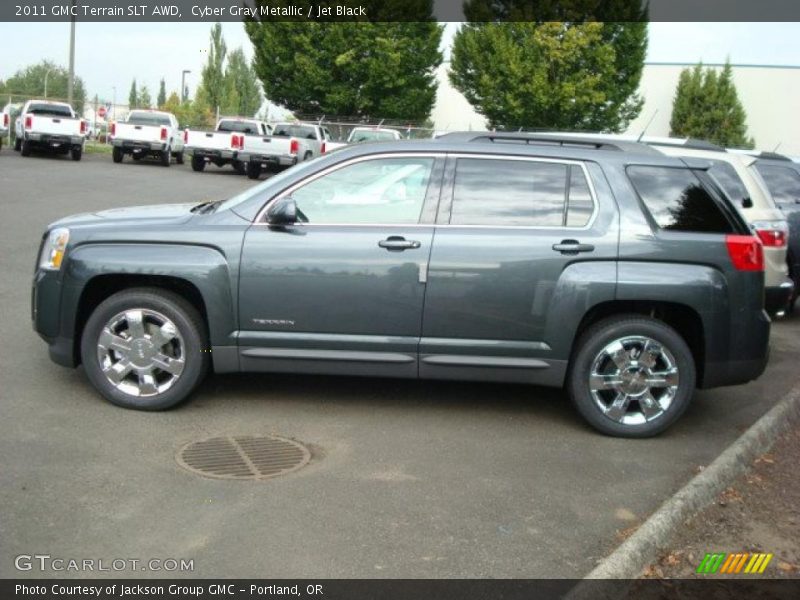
(145, 101)
(383, 69)
(242, 88)
(551, 75)
(707, 106)
(29, 82)
(162, 94)
(212, 77)
(133, 96)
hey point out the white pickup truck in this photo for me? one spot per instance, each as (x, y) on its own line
(289, 144)
(51, 126)
(223, 145)
(147, 133)
(373, 134)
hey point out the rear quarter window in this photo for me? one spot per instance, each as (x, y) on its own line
(783, 182)
(677, 200)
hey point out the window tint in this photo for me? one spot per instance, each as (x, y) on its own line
(511, 192)
(146, 118)
(299, 131)
(677, 200)
(783, 182)
(380, 191)
(373, 135)
(56, 110)
(246, 127)
(729, 181)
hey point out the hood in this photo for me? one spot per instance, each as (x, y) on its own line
(155, 213)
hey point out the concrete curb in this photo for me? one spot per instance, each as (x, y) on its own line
(641, 549)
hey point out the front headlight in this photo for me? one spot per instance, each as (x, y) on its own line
(54, 248)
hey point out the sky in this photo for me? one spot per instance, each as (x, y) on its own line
(110, 55)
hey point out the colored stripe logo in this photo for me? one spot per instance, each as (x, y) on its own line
(733, 564)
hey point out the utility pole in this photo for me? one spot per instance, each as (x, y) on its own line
(183, 85)
(71, 79)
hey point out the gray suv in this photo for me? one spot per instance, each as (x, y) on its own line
(621, 274)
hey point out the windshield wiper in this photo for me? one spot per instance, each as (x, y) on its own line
(206, 207)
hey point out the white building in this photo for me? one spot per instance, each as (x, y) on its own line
(769, 94)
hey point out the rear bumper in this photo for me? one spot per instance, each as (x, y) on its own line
(747, 355)
(777, 298)
(214, 154)
(136, 146)
(283, 160)
(54, 140)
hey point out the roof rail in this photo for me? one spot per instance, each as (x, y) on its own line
(773, 156)
(546, 139)
(692, 143)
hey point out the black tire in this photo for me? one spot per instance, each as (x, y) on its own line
(76, 153)
(26, 148)
(17, 144)
(165, 158)
(591, 345)
(239, 167)
(198, 163)
(179, 157)
(189, 325)
(117, 155)
(253, 170)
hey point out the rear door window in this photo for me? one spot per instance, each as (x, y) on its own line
(730, 182)
(520, 193)
(677, 200)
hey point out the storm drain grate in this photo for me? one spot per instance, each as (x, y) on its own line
(244, 457)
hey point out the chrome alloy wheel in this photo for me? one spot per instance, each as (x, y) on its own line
(141, 352)
(634, 380)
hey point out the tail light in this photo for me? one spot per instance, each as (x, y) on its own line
(322, 148)
(773, 234)
(5, 119)
(294, 147)
(83, 126)
(746, 252)
(185, 136)
(112, 129)
(28, 121)
(163, 134)
(237, 142)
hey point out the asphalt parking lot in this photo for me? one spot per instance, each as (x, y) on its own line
(408, 479)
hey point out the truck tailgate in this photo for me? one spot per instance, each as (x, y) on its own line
(211, 140)
(55, 125)
(138, 133)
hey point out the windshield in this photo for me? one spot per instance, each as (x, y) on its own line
(148, 118)
(783, 182)
(373, 135)
(247, 127)
(56, 110)
(300, 131)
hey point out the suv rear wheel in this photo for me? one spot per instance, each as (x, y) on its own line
(144, 348)
(631, 376)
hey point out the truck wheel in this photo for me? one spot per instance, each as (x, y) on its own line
(631, 376)
(17, 144)
(117, 155)
(198, 163)
(253, 170)
(179, 157)
(308, 156)
(145, 348)
(26, 148)
(76, 153)
(239, 167)
(165, 156)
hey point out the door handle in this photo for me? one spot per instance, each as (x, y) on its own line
(396, 243)
(572, 247)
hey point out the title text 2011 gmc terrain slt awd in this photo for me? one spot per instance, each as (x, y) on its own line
(624, 275)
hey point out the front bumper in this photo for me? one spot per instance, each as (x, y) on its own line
(46, 317)
(777, 298)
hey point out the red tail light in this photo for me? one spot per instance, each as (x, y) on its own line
(5, 120)
(185, 136)
(112, 129)
(28, 121)
(773, 234)
(163, 133)
(322, 148)
(83, 126)
(746, 252)
(237, 141)
(294, 147)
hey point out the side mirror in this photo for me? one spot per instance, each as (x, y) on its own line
(282, 212)
(747, 202)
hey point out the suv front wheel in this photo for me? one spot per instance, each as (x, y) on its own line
(145, 348)
(631, 376)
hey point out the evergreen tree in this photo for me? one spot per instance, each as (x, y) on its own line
(162, 94)
(242, 88)
(145, 101)
(212, 77)
(133, 96)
